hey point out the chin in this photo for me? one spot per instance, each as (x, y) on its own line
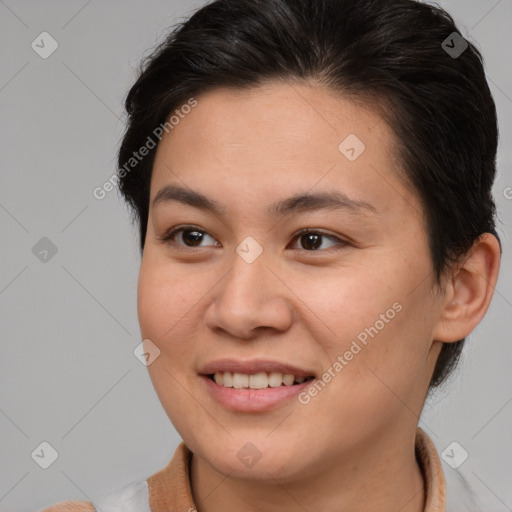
(258, 460)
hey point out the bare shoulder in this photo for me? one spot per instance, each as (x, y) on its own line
(71, 506)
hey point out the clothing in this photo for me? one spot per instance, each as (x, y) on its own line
(169, 489)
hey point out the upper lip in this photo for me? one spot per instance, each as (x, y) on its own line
(251, 367)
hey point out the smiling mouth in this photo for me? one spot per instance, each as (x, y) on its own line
(260, 380)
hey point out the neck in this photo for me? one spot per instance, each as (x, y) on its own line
(382, 476)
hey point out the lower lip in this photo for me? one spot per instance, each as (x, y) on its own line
(252, 400)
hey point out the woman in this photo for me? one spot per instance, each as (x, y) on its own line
(312, 183)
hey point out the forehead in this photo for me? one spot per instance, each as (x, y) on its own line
(278, 137)
(282, 113)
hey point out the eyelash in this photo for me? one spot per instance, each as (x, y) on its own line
(169, 237)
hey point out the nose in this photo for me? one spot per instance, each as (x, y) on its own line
(249, 300)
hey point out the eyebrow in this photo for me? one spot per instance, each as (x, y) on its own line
(299, 203)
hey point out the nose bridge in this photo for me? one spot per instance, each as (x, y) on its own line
(245, 284)
(249, 296)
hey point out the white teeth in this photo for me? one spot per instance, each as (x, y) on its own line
(275, 379)
(288, 380)
(228, 379)
(256, 381)
(240, 380)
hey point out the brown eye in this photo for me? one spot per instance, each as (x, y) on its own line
(311, 240)
(188, 236)
(192, 237)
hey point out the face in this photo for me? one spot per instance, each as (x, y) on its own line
(326, 334)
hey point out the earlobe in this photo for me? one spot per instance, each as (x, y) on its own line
(470, 291)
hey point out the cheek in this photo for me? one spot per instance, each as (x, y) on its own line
(372, 320)
(164, 302)
(151, 303)
(378, 381)
(385, 378)
(164, 311)
(343, 304)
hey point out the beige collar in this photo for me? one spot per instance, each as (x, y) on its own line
(430, 465)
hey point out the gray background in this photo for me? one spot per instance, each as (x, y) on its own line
(68, 374)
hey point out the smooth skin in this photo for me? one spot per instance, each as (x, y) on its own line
(352, 447)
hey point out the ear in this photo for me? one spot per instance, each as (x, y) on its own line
(469, 291)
